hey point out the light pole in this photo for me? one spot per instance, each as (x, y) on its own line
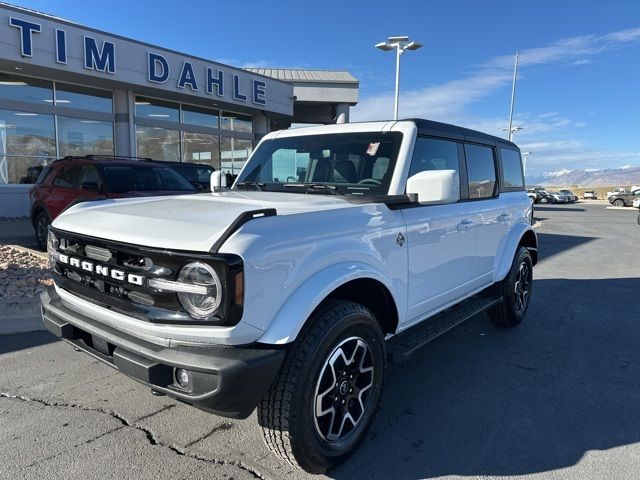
(524, 162)
(401, 44)
(513, 96)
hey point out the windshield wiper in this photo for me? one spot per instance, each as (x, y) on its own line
(313, 187)
(258, 185)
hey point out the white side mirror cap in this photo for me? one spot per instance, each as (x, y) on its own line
(217, 181)
(435, 186)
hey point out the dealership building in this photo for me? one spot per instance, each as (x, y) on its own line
(67, 89)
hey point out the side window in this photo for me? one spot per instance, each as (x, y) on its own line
(434, 154)
(89, 174)
(481, 171)
(512, 168)
(67, 177)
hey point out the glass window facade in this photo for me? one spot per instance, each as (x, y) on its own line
(200, 116)
(158, 143)
(150, 108)
(84, 137)
(236, 123)
(35, 130)
(188, 133)
(83, 98)
(23, 89)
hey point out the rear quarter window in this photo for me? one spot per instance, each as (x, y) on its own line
(512, 173)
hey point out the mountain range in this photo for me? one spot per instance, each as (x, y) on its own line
(627, 175)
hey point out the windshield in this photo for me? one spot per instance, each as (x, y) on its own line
(144, 178)
(344, 163)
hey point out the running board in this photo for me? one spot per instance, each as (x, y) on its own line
(401, 346)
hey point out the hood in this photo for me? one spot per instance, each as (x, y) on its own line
(184, 222)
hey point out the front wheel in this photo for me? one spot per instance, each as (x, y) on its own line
(326, 393)
(619, 203)
(515, 291)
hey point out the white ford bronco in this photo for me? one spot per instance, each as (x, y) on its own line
(336, 249)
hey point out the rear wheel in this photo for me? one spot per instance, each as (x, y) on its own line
(41, 226)
(515, 291)
(619, 203)
(544, 200)
(326, 393)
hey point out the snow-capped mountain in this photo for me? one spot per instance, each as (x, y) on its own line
(627, 175)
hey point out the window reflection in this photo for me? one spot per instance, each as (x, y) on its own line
(236, 122)
(84, 137)
(158, 143)
(74, 96)
(23, 89)
(201, 148)
(234, 153)
(152, 109)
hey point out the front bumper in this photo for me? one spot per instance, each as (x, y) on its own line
(228, 381)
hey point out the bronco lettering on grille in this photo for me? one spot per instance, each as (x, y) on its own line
(102, 270)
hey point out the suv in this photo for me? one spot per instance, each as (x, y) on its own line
(624, 199)
(94, 177)
(338, 247)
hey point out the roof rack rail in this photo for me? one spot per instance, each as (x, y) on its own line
(115, 157)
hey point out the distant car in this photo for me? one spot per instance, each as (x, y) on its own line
(559, 198)
(78, 179)
(616, 191)
(624, 199)
(544, 196)
(199, 174)
(590, 195)
(569, 194)
(533, 195)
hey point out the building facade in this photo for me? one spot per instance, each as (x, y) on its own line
(66, 89)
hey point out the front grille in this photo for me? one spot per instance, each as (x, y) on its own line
(115, 275)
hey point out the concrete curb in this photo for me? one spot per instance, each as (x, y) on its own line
(19, 315)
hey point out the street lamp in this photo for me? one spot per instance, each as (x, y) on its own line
(401, 44)
(512, 130)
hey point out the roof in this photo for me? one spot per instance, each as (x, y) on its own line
(430, 126)
(300, 75)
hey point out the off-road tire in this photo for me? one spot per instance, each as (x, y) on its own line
(618, 203)
(506, 313)
(42, 221)
(286, 413)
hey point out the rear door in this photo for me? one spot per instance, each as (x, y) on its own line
(440, 238)
(63, 189)
(494, 209)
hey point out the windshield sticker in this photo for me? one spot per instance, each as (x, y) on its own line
(372, 149)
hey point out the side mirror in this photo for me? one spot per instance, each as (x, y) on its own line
(218, 181)
(90, 186)
(435, 186)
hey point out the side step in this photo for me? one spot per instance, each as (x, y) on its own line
(401, 346)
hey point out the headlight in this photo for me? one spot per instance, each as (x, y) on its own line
(200, 305)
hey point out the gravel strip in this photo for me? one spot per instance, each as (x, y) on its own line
(22, 274)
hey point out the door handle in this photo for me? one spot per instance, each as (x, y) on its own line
(465, 225)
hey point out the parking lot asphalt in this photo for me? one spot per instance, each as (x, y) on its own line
(556, 398)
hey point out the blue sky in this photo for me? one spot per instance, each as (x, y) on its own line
(578, 96)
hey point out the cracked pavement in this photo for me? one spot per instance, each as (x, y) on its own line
(556, 398)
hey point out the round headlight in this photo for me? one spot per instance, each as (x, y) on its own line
(199, 305)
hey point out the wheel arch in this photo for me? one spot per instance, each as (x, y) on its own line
(352, 282)
(35, 211)
(521, 236)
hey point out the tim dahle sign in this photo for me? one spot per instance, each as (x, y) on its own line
(101, 57)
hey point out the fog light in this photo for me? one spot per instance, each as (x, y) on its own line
(183, 377)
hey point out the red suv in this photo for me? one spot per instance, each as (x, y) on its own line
(79, 179)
